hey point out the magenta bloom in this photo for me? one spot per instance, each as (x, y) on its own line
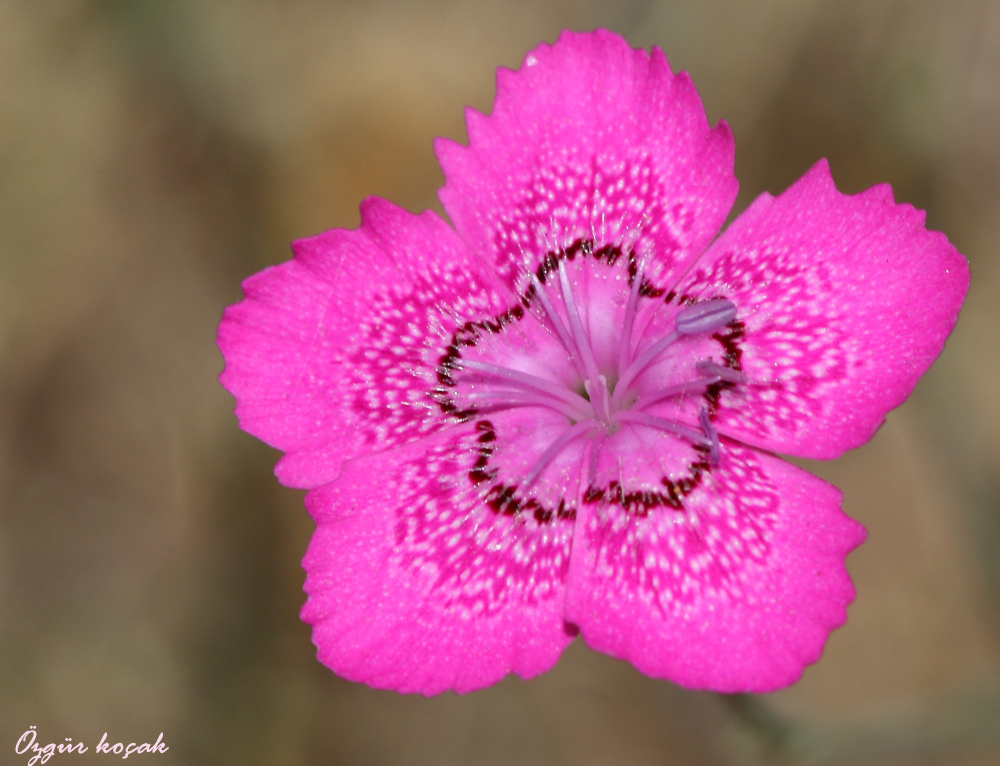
(560, 416)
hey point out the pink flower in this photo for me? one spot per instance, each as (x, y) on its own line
(560, 416)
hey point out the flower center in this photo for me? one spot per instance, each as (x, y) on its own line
(597, 343)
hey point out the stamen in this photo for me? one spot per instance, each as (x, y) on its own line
(714, 373)
(571, 433)
(582, 342)
(728, 374)
(640, 364)
(644, 418)
(526, 380)
(705, 316)
(691, 320)
(596, 384)
(500, 399)
(675, 390)
(633, 299)
(560, 328)
(713, 436)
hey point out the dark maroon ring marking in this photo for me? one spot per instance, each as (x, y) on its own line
(502, 498)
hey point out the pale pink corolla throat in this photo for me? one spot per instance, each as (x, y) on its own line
(596, 392)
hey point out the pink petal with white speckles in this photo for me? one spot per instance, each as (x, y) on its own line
(845, 302)
(415, 584)
(735, 592)
(590, 140)
(333, 354)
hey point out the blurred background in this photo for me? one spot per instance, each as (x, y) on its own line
(153, 153)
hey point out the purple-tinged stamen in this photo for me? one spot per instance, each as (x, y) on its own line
(498, 400)
(526, 380)
(576, 325)
(633, 299)
(712, 434)
(691, 320)
(714, 373)
(640, 364)
(595, 381)
(644, 418)
(677, 389)
(727, 374)
(560, 328)
(705, 316)
(573, 432)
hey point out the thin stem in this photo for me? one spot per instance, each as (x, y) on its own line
(526, 380)
(571, 433)
(596, 384)
(499, 400)
(633, 299)
(678, 388)
(577, 345)
(640, 364)
(582, 343)
(560, 328)
(644, 418)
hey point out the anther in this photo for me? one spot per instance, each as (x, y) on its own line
(712, 435)
(711, 369)
(705, 316)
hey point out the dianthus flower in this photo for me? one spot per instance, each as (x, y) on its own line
(559, 417)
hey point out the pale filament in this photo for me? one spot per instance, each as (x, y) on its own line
(603, 411)
(584, 427)
(557, 324)
(499, 399)
(525, 380)
(633, 299)
(596, 384)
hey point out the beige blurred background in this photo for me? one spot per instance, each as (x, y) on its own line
(153, 153)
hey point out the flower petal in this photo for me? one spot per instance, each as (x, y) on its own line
(845, 302)
(416, 584)
(735, 592)
(590, 140)
(333, 354)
